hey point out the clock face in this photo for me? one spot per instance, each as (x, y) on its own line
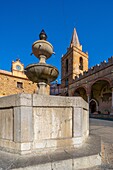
(18, 67)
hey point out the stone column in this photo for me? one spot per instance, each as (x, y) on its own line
(43, 89)
(88, 98)
(88, 95)
(112, 103)
(42, 59)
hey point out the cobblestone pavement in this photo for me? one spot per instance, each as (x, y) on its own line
(104, 129)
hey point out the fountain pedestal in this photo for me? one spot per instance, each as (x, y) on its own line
(41, 73)
(42, 88)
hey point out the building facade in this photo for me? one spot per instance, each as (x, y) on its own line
(95, 85)
(55, 89)
(15, 81)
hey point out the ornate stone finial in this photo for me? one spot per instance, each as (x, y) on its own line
(43, 35)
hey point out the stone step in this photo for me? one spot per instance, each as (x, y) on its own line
(86, 156)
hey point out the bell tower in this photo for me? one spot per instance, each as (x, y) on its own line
(74, 62)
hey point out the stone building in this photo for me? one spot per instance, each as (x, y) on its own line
(55, 89)
(95, 84)
(15, 81)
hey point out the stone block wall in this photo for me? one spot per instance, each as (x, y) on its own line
(38, 123)
(8, 85)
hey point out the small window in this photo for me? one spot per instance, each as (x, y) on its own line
(81, 63)
(66, 82)
(19, 85)
(66, 65)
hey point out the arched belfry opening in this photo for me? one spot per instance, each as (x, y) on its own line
(81, 63)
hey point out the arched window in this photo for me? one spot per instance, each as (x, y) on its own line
(81, 63)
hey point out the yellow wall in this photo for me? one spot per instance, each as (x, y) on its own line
(8, 85)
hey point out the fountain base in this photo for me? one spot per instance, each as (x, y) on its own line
(42, 123)
(53, 129)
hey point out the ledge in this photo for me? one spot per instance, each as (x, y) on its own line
(59, 101)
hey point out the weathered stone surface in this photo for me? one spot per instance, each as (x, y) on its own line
(23, 124)
(43, 123)
(46, 166)
(21, 99)
(62, 165)
(52, 101)
(24, 100)
(51, 123)
(80, 122)
(6, 124)
(86, 162)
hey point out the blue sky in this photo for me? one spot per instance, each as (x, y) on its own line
(22, 20)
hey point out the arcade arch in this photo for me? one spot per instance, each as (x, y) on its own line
(101, 96)
(81, 92)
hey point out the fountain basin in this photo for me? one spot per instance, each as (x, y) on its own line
(42, 47)
(41, 72)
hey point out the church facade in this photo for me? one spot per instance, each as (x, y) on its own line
(95, 85)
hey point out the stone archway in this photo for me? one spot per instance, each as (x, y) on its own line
(101, 92)
(81, 92)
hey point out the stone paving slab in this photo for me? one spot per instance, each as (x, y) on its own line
(98, 168)
(104, 129)
(93, 168)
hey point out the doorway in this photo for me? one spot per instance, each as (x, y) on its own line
(93, 106)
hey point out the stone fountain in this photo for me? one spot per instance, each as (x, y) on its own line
(53, 129)
(42, 73)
